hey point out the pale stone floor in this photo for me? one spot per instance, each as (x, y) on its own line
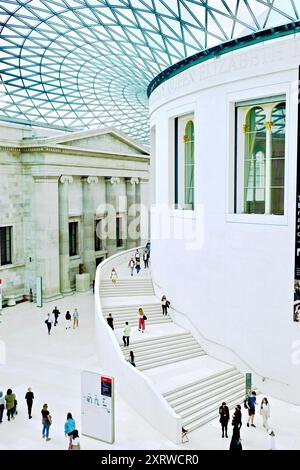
(52, 365)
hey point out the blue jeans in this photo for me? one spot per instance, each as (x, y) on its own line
(46, 429)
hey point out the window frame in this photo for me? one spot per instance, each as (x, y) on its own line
(96, 238)
(11, 234)
(77, 239)
(118, 239)
(256, 93)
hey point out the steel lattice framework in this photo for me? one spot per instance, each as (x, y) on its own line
(87, 63)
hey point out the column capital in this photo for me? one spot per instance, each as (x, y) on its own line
(66, 179)
(133, 181)
(268, 125)
(90, 179)
(113, 180)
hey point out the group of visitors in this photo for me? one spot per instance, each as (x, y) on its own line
(52, 319)
(134, 264)
(9, 403)
(250, 403)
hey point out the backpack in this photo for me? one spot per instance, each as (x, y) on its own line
(246, 403)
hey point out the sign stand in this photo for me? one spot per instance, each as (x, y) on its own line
(98, 406)
(39, 292)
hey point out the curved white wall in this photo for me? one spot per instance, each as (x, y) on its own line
(237, 287)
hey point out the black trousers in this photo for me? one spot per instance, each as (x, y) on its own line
(1, 412)
(56, 321)
(126, 340)
(224, 427)
(165, 310)
(49, 325)
(29, 406)
(10, 413)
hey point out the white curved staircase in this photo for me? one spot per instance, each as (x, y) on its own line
(163, 352)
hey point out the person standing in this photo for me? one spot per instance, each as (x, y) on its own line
(142, 318)
(265, 411)
(46, 422)
(251, 402)
(68, 320)
(75, 318)
(131, 358)
(69, 427)
(131, 265)
(29, 399)
(56, 313)
(2, 405)
(224, 418)
(110, 321)
(126, 334)
(237, 420)
(10, 399)
(165, 304)
(114, 276)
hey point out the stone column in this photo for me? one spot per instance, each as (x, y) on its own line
(88, 208)
(64, 258)
(46, 234)
(112, 203)
(144, 211)
(132, 236)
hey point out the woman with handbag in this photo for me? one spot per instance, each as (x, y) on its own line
(46, 422)
(142, 318)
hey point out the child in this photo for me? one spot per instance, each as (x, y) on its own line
(74, 443)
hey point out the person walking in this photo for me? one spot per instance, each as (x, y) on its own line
(131, 265)
(10, 399)
(165, 304)
(110, 321)
(49, 321)
(75, 318)
(56, 313)
(131, 358)
(69, 427)
(145, 259)
(29, 397)
(137, 266)
(126, 334)
(2, 405)
(74, 443)
(224, 418)
(142, 318)
(237, 420)
(68, 320)
(250, 403)
(137, 256)
(46, 422)
(265, 411)
(114, 276)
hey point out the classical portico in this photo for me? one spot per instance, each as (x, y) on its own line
(83, 196)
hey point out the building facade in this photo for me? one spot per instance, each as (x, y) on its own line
(68, 201)
(224, 142)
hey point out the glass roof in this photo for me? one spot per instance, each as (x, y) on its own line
(87, 63)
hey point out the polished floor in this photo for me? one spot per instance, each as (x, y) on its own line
(52, 366)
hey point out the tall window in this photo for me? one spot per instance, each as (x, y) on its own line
(184, 162)
(73, 238)
(260, 158)
(98, 235)
(5, 245)
(189, 165)
(119, 231)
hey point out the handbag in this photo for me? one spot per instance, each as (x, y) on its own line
(144, 317)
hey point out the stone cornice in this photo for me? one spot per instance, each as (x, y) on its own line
(81, 151)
